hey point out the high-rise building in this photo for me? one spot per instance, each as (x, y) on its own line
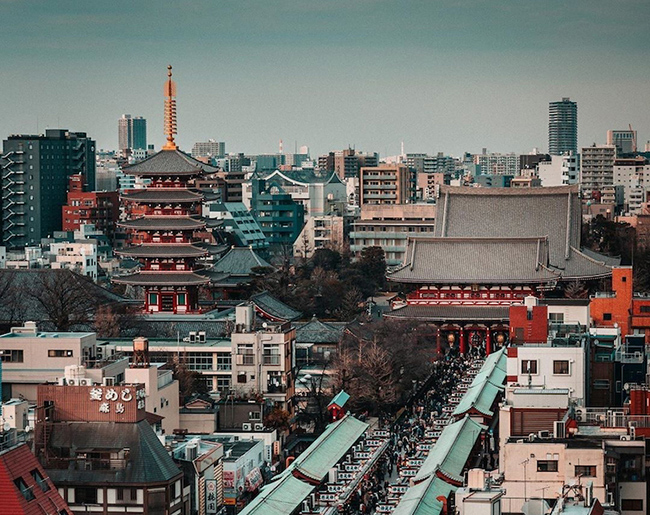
(624, 141)
(131, 133)
(210, 148)
(35, 182)
(562, 127)
(597, 170)
(385, 184)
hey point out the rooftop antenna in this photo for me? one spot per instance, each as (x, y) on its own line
(170, 111)
(402, 153)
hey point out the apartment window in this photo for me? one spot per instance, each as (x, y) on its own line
(24, 489)
(246, 350)
(601, 384)
(85, 495)
(127, 495)
(529, 366)
(645, 309)
(271, 355)
(556, 318)
(546, 465)
(224, 361)
(59, 353)
(199, 361)
(40, 480)
(241, 378)
(585, 470)
(607, 316)
(11, 356)
(561, 367)
(223, 383)
(631, 504)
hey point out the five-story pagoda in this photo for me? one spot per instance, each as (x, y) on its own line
(162, 221)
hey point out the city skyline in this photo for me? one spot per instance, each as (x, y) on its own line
(454, 77)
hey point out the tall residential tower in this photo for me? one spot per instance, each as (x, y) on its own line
(562, 127)
(131, 133)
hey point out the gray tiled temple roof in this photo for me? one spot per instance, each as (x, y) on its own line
(274, 307)
(162, 223)
(162, 279)
(170, 195)
(475, 260)
(239, 261)
(169, 162)
(163, 250)
(148, 460)
(513, 218)
(316, 331)
(450, 313)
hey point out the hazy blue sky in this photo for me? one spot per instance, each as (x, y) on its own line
(440, 75)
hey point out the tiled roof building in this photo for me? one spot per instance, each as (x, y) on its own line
(25, 488)
(163, 224)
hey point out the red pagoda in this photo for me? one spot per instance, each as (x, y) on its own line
(162, 223)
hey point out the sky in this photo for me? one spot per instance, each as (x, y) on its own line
(440, 75)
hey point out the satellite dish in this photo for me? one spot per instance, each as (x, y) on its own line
(626, 387)
(6, 426)
(265, 325)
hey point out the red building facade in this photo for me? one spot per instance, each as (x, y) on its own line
(163, 223)
(100, 208)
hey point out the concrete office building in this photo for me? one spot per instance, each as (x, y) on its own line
(624, 141)
(131, 133)
(384, 184)
(597, 170)
(562, 127)
(560, 170)
(210, 148)
(35, 175)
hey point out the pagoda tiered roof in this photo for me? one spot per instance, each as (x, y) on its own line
(163, 223)
(171, 163)
(154, 250)
(163, 195)
(162, 278)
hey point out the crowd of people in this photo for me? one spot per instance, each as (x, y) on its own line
(407, 432)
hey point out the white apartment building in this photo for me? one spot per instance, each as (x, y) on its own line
(76, 256)
(263, 358)
(31, 357)
(325, 231)
(634, 176)
(597, 169)
(560, 170)
(161, 391)
(498, 164)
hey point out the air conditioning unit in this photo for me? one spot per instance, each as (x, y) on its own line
(239, 360)
(305, 507)
(259, 427)
(192, 336)
(532, 437)
(72, 382)
(85, 382)
(61, 381)
(202, 337)
(580, 414)
(108, 381)
(246, 426)
(626, 438)
(559, 429)
(544, 434)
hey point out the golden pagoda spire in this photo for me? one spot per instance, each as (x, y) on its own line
(170, 111)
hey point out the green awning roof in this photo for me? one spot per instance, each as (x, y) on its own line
(339, 399)
(422, 499)
(329, 448)
(279, 497)
(479, 396)
(452, 450)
